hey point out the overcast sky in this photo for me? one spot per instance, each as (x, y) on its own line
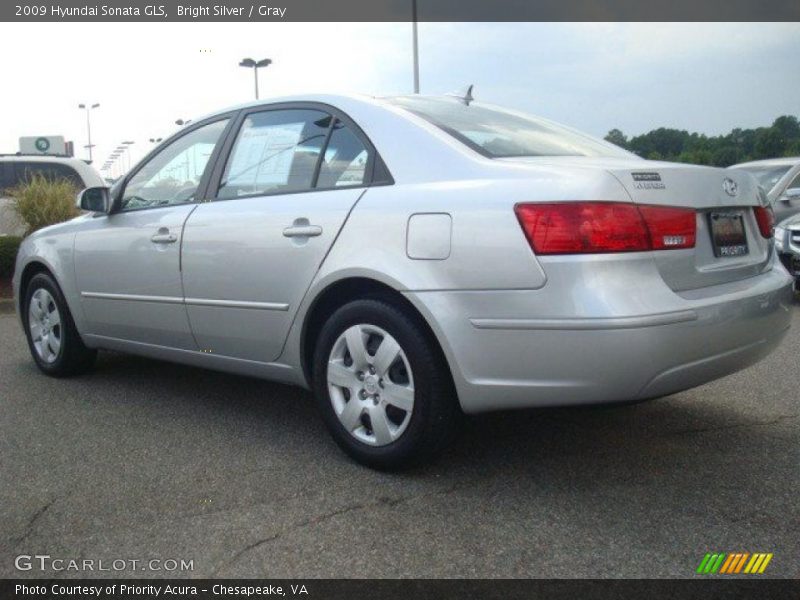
(594, 76)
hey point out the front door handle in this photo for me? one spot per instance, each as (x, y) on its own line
(163, 236)
(302, 228)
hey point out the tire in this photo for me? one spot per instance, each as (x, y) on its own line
(54, 342)
(412, 434)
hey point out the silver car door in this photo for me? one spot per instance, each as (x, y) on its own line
(249, 255)
(127, 263)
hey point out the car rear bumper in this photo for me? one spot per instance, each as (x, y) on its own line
(603, 344)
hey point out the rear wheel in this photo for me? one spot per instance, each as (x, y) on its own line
(382, 386)
(54, 342)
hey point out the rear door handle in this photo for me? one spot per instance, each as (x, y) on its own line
(302, 228)
(163, 236)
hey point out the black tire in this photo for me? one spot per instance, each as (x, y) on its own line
(435, 415)
(73, 357)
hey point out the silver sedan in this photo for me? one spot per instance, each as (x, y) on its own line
(410, 259)
(780, 178)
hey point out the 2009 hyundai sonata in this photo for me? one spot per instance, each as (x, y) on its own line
(410, 258)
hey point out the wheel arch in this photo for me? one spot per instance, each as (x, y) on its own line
(31, 269)
(38, 264)
(340, 292)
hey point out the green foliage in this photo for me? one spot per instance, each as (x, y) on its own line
(41, 201)
(782, 138)
(9, 245)
(615, 136)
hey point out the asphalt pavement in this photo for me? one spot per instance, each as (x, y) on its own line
(142, 460)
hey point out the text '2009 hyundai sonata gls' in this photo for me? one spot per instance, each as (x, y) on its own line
(408, 259)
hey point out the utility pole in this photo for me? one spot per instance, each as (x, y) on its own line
(416, 45)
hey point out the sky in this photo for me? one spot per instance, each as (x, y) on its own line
(705, 77)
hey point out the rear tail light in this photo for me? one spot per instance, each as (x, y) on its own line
(595, 227)
(765, 219)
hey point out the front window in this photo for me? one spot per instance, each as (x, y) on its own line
(173, 175)
(501, 133)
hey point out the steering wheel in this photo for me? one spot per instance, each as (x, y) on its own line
(137, 201)
(184, 194)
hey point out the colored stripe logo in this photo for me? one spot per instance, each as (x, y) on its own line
(722, 563)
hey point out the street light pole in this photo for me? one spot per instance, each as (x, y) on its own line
(127, 146)
(416, 45)
(88, 108)
(255, 65)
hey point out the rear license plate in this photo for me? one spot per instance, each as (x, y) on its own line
(727, 234)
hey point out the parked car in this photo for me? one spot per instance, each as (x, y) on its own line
(410, 258)
(787, 245)
(780, 178)
(17, 168)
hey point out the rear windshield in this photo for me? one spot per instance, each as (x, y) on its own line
(501, 133)
(767, 177)
(22, 171)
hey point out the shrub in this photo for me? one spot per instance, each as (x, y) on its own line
(9, 245)
(41, 201)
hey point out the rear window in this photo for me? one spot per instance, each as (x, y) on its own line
(501, 133)
(23, 171)
(767, 177)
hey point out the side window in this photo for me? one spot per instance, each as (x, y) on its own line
(173, 175)
(345, 161)
(275, 151)
(51, 171)
(6, 176)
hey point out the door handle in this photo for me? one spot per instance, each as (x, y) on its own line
(163, 236)
(300, 229)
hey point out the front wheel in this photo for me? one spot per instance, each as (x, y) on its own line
(54, 342)
(382, 385)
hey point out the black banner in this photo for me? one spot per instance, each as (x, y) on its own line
(357, 589)
(400, 10)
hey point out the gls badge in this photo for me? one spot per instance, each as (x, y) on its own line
(648, 181)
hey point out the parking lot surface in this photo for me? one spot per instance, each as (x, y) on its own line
(145, 460)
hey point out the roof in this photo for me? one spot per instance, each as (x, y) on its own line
(87, 172)
(333, 99)
(770, 162)
(41, 157)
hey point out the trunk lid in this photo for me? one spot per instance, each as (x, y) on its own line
(715, 193)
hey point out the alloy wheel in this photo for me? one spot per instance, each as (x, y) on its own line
(44, 322)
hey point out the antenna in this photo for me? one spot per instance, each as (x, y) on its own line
(466, 96)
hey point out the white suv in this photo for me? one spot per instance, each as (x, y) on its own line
(14, 168)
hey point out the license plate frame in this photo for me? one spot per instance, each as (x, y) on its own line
(728, 234)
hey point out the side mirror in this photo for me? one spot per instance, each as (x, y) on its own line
(792, 193)
(94, 199)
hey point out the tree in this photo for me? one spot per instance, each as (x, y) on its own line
(726, 156)
(667, 142)
(782, 138)
(769, 143)
(615, 136)
(789, 127)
